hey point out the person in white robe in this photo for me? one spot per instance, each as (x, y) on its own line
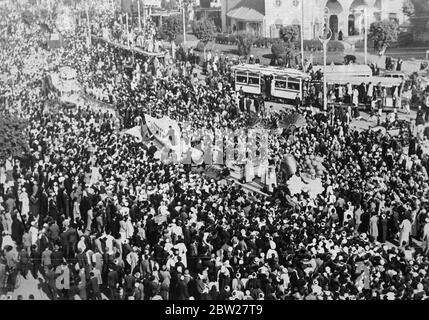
(249, 171)
(25, 202)
(271, 178)
(263, 171)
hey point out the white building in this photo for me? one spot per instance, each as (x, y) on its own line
(265, 17)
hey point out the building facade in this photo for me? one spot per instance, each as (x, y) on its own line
(266, 17)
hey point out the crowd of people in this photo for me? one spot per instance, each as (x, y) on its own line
(96, 208)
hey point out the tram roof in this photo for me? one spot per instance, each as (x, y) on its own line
(384, 81)
(270, 70)
(346, 69)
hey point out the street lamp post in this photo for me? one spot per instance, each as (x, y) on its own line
(140, 21)
(128, 36)
(302, 34)
(365, 12)
(88, 25)
(184, 22)
(324, 37)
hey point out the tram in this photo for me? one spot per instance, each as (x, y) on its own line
(275, 83)
(390, 84)
(346, 71)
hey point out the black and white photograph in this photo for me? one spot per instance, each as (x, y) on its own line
(228, 152)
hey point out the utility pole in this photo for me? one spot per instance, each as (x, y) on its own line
(128, 35)
(324, 38)
(365, 10)
(88, 25)
(184, 22)
(140, 20)
(302, 34)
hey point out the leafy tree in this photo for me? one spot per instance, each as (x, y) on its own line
(13, 140)
(383, 33)
(244, 43)
(408, 8)
(281, 48)
(290, 34)
(418, 13)
(205, 31)
(349, 59)
(171, 27)
(278, 48)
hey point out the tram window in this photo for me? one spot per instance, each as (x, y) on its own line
(241, 78)
(253, 80)
(293, 85)
(280, 84)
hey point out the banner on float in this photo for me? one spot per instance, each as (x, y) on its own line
(152, 3)
(164, 128)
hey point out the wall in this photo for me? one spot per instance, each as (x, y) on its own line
(226, 6)
(287, 13)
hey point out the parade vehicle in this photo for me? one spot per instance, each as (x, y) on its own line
(385, 82)
(274, 83)
(346, 71)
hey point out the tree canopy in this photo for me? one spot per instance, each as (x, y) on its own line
(280, 48)
(244, 43)
(418, 13)
(383, 33)
(171, 27)
(204, 30)
(290, 34)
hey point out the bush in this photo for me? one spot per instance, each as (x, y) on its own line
(405, 39)
(278, 48)
(290, 34)
(221, 38)
(313, 45)
(335, 45)
(349, 58)
(232, 39)
(200, 46)
(245, 41)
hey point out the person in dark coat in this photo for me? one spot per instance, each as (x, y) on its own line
(50, 277)
(248, 104)
(36, 262)
(182, 289)
(241, 103)
(56, 256)
(383, 228)
(44, 204)
(94, 287)
(112, 283)
(18, 230)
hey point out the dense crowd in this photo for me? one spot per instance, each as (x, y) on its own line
(96, 206)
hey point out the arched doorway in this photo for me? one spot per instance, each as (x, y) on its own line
(333, 25)
(351, 26)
